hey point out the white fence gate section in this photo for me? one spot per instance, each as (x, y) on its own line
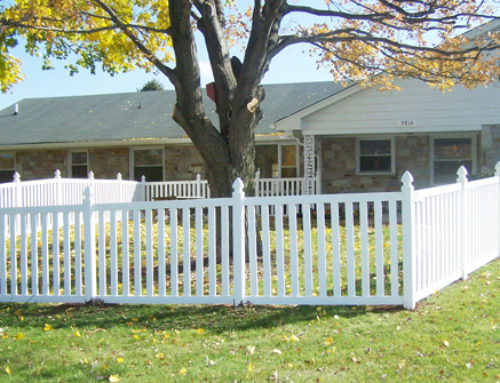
(371, 248)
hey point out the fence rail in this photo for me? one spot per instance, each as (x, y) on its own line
(371, 248)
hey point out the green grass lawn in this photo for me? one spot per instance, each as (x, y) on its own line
(452, 336)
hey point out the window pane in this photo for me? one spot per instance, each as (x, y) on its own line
(265, 157)
(375, 164)
(6, 175)
(445, 172)
(288, 172)
(7, 161)
(453, 148)
(79, 171)
(288, 154)
(374, 147)
(79, 158)
(152, 173)
(148, 157)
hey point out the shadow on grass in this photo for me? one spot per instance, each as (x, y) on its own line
(216, 318)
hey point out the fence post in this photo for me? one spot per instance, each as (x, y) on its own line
(18, 199)
(120, 186)
(143, 188)
(238, 241)
(89, 246)
(257, 183)
(464, 217)
(17, 190)
(409, 264)
(57, 176)
(198, 186)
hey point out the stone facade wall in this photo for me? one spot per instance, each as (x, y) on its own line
(106, 163)
(39, 164)
(183, 163)
(339, 165)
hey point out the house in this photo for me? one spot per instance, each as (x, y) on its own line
(353, 139)
(133, 134)
(364, 140)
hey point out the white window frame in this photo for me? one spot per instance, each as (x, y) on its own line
(15, 164)
(70, 161)
(132, 159)
(392, 141)
(471, 136)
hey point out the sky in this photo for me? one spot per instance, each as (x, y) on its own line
(292, 65)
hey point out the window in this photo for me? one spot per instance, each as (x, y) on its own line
(266, 157)
(449, 155)
(375, 156)
(288, 161)
(148, 163)
(7, 166)
(277, 160)
(79, 164)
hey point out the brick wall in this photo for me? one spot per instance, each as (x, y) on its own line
(41, 164)
(183, 163)
(339, 165)
(106, 163)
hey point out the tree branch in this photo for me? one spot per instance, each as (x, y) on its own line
(150, 56)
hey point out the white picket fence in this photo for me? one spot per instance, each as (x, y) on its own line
(69, 191)
(370, 248)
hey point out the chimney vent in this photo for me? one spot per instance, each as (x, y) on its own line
(16, 109)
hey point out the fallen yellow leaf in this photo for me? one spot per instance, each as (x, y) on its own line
(114, 378)
(182, 371)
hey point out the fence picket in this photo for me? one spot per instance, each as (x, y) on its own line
(379, 249)
(13, 257)
(137, 254)
(125, 254)
(365, 251)
(199, 251)
(186, 263)
(113, 253)
(321, 249)
(225, 238)
(78, 254)
(308, 267)
(266, 251)
(394, 248)
(212, 252)
(351, 266)
(102, 254)
(34, 253)
(252, 249)
(280, 256)
(337, 286)
(67, 254)
(174, 262)
(23, 256)
(294, 263)
(162, 289)
(149, 253)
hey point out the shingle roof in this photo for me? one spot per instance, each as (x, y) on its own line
(138, 115)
